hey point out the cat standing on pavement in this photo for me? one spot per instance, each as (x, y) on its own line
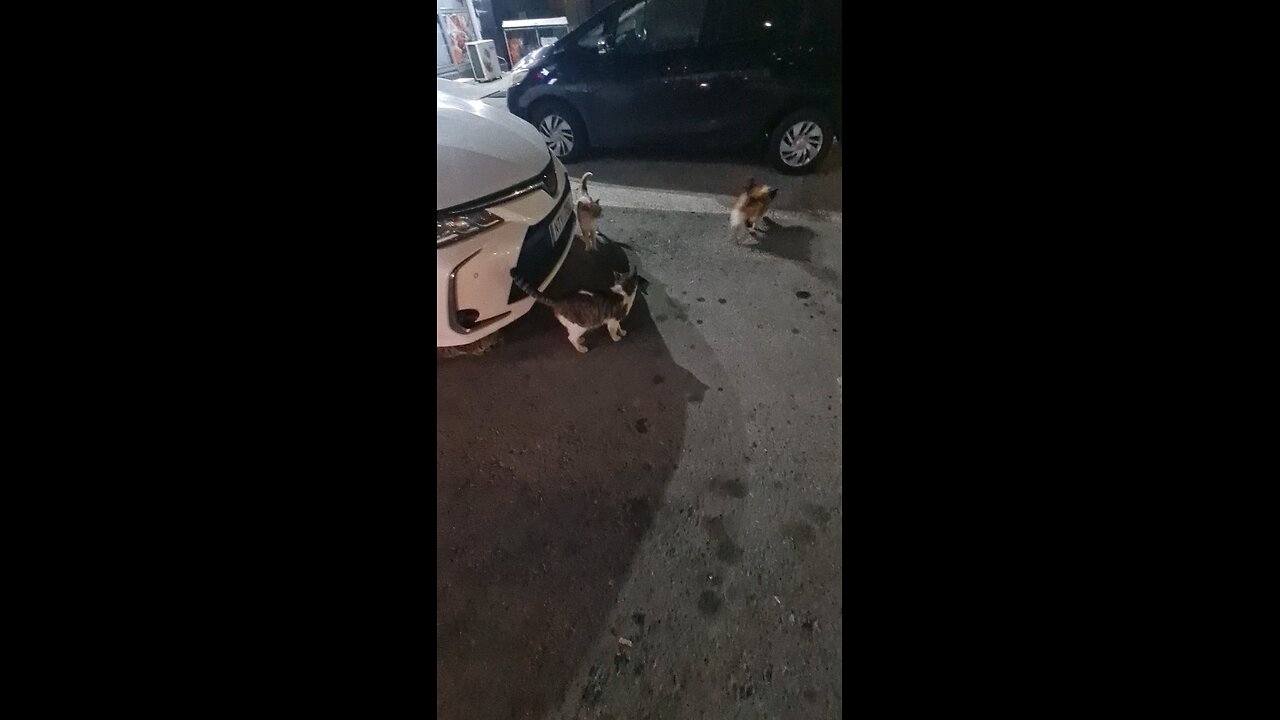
(589, 213)
(749, 209)
(587, 311)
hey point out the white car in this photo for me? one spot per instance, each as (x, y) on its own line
(502, 202)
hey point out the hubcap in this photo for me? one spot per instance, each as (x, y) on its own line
(558, 134)
(801, 143)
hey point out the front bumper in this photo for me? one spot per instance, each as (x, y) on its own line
(475, 274)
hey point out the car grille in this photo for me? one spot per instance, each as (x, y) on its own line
(540, 251)
(545, 180)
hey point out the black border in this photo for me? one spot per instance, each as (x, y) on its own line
(259, 378)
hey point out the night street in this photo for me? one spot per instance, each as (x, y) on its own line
(652, 529)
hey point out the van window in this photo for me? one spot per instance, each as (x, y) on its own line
(591, 38)
(630, 33)
(658, 25)
(675, 24)
(781, 23)
(733, 21)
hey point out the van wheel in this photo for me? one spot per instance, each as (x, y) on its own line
(800, 142)
(563, 129)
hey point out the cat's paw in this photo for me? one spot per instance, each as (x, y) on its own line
(581, 348)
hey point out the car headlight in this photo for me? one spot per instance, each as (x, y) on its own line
(519, 75)
(460, 227)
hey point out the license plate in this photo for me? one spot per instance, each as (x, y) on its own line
(561, 219)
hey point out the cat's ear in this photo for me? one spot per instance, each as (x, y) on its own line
(751, 182)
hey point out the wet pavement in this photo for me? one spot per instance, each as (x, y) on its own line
(652, 529)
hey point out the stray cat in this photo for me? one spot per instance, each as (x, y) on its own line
(749, 209)
(589, 213)
(587, 311)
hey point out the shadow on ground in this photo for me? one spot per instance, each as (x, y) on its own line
(792, 242)
(548, 480)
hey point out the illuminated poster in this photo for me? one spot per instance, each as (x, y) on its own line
(515, 49)
(457, 34)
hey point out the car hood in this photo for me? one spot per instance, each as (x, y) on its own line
(481, 150)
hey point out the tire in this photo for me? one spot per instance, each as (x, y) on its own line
(562, 127)
(799, 144)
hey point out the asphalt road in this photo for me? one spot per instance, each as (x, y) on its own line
(679, 489)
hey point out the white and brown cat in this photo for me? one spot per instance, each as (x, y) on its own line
(589, 213)
(749, 209)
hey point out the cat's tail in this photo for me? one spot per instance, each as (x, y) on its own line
(530, 290)
(584, 184)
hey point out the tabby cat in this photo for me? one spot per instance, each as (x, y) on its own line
(587, 311)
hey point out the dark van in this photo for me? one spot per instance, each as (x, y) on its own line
(700, 73)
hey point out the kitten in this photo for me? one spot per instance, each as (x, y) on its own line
(589, 213)
(587, 311)
(749, 209)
